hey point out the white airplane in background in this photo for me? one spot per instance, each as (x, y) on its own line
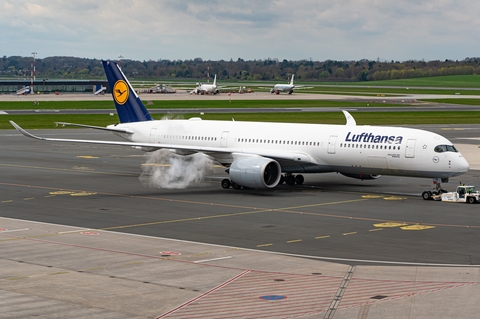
(284, 87)
(206, 88)
(262, 155)
(24, 91)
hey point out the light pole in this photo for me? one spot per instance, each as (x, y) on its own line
(33, 72)
(120, 57)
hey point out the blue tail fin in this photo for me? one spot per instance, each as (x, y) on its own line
(129, 106)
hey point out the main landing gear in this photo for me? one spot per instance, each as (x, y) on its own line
(288, 179)
(427, 195)
(291, 179)
(226, 183)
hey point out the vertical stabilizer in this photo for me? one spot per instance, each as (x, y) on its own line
(291, 80)
(129, 106)
(215, 80)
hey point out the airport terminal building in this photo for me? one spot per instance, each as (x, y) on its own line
(53, 86)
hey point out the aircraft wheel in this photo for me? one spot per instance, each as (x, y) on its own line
(299, 179)
(236, 186)
(282, 180)
(426, 195)
(290, 180)
(226, 183)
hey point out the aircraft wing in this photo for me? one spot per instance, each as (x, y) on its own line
(132, 144)
(115, 130)
(285, 157)
(301, 87)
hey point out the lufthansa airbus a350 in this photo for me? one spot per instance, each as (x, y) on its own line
(262, 155)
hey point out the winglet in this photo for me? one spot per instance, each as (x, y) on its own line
(21, 130)
(350, 120)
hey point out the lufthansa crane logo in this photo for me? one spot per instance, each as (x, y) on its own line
(120, 92)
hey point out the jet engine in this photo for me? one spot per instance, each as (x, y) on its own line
(255, 172)
(361, 176)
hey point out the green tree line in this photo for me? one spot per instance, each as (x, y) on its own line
(59, 67)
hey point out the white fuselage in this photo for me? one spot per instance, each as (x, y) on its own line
(283, 88)
(206, 88)
(310, 147)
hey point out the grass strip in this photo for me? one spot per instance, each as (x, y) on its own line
(46, 121)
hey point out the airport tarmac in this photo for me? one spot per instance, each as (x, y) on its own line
(82, 234)
(391, 98)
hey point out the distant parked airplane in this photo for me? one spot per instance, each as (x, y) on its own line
(284, 87)
(206, 88)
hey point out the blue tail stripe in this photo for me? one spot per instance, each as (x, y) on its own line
(129, 109)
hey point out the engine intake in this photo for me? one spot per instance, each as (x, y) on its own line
(255, 172)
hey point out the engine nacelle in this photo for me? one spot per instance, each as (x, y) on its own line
(361, 176)
(255, 172)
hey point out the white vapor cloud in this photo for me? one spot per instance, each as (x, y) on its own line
(164, 169)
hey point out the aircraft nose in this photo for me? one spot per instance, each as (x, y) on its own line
(462, 164)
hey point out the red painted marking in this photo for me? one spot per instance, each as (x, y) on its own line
(170, 253)
(205, 294)
(3, 229)
(89, 233)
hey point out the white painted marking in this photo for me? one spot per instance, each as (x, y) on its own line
(13, 230)
(212, 259)
(266, 251)
(74, 231)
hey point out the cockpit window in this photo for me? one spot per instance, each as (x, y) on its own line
(445, 148)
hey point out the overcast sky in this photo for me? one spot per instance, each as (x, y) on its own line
(230, 29)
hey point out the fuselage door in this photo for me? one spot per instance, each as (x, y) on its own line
(331, 144)
(410, 148)
(223, 139)
(153, 132)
